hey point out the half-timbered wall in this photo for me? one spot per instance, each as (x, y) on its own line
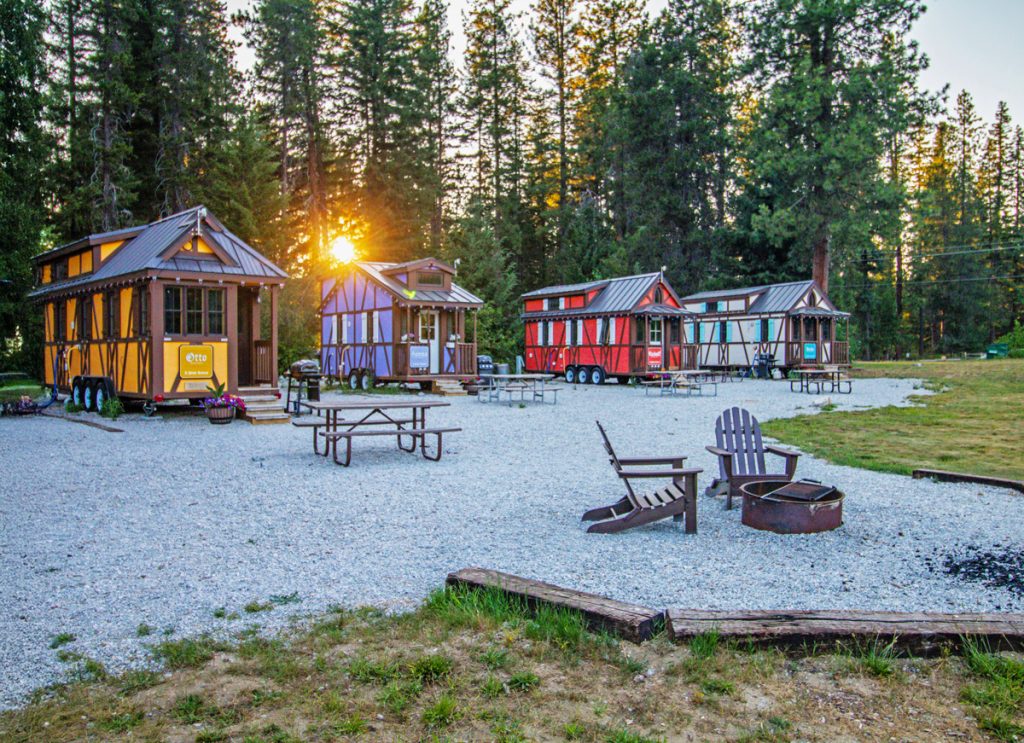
(357, 326)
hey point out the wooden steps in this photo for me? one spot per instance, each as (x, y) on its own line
(919, 633)
(447, 387)
(636, 623)
(263, 406)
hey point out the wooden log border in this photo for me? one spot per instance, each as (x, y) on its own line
(920, 633)
(629, 621)
(944, 476)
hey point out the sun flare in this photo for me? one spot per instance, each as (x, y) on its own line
(343, 250)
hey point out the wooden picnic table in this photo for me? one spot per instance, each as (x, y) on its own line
(534, 384)
(367, 417)
(680, 380)
(818, 378)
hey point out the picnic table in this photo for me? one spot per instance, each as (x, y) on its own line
(818, 379)
(688, 381)
(534, 386)
(373, 418)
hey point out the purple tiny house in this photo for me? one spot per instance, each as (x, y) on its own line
(396, 322)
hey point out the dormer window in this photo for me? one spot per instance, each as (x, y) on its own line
(429, 278)
(552, 303)
(659, 296)
(711, 306)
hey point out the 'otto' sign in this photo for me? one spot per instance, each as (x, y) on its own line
(654, 357)
(195, 362)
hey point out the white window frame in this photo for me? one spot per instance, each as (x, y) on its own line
(579, 332)
(376, 327)
(346, 329)
(660, 332)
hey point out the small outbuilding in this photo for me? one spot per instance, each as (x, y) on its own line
(158, 312)
(397, 322)
(794, 322)
(621, 327)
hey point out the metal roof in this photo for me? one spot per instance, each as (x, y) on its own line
(457, 295)
(772, 297)
(567, 288)
(143, 253)
(660, 310)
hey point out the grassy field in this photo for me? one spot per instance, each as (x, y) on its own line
(975, 422)
(480, 667)
(13, 389)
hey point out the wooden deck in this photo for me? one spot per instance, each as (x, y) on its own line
(632, 622)
(919, 633)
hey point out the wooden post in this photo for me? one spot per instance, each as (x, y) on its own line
(275, 292)
(156, 338)
(232, 298)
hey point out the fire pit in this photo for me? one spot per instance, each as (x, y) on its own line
(801, 507)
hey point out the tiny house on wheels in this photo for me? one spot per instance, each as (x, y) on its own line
(157, 312)
(622, 327)
(397, 322)
(794, 322)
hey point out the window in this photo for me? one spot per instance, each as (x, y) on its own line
(346, 328)
(711, 306)
(111, 315)
(826, 330)
(60, 269)
(659, 296)
(215, 312)
(85, 318)
(430, 278)
(766, 333)
(193, 311)
(376, 327)
(610, 337)
(696, 332)
(551, 303)
(172, 310)
(364, 327)
(723, 331)
(654, 335)
(60, 320)
(572, 339)
(428, 326)
(673, 330)
(542, 333)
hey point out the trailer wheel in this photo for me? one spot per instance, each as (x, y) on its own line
(366, 380)
(597, 375)
(583, 375)
(570, 374)
(89, 396)
(77, 393)
(353, 379)
(104, 387)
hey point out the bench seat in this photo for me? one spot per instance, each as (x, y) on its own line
(414, 433)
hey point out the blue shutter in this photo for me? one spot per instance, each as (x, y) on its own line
(771, 331)
(757, 331)
(728, 332)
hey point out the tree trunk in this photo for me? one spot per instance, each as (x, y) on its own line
(821, 258)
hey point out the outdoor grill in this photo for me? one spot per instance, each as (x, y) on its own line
(305, 375)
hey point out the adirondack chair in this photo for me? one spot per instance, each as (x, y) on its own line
(677, 499)
(740, 454)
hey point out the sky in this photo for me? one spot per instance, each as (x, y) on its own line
(972, 45)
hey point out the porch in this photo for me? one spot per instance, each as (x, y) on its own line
(813, 337)
(257, 354)
(645, 358)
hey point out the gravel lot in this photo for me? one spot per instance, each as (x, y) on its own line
(174, 518)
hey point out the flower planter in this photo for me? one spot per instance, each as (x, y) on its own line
(220, 415)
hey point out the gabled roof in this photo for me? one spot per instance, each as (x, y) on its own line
(616, 296)
(379, 272)
(149, 248)
(419, 263)
(772, 297)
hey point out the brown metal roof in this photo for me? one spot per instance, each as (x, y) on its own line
(403, 293)
(772, 297)
(143, 253)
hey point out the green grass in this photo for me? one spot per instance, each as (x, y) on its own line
(877, 658)
(254, 607)
(494, 658)
(972, 424)
(997, 696)
(61, 639)
(187, 653)
(442, 713)
(428, 669)
(523, 681)
(626, 736)
(705, 645)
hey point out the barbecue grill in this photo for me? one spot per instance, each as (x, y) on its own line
(305, 375)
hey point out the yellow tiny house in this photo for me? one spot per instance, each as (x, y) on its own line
(157, 312)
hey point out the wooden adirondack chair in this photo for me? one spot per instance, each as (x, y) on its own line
(741, 454)
(678, 499)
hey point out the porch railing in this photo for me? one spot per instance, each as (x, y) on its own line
(262, 366)
(796, 353)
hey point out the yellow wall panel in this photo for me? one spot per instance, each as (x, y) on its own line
(48, 322)
(202, 247)
(47, 273)
(70, 333)
(86, 261)
(96, 359)
(108, 249)
(74, 360)
(126, 331)
(74, 265)
(97, 315)
(51, 352)
(128, 367)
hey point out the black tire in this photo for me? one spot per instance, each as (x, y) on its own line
(104, 391)
(621, 379)
(354, 378)
(89, 396)
(570, 374)
(365, 381)
(78, 392)
(583, 375)
(597, 375)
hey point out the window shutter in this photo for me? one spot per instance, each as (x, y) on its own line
(376, 326)
(346, 332)
(728, 332)
(600, 330)
(771, 331)
(612, 338)
(334, 330)
(561, 303)
(757, 331)
(579, 332)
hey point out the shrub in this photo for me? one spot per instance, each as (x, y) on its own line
(112, 408)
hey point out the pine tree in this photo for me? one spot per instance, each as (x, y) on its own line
(836, 75)
(22, 152)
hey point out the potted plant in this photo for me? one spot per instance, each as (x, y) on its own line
(221, 407)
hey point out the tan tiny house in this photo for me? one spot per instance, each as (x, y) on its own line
(158, 312)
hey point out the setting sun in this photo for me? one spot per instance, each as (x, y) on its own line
(343, 250)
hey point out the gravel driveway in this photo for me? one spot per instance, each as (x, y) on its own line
(174, 518)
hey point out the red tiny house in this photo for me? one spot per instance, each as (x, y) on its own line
(622, 327)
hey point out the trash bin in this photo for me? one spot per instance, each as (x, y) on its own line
(501, 369)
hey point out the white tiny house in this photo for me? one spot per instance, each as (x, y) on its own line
(795, 322)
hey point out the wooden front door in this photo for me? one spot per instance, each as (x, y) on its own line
(246, 302)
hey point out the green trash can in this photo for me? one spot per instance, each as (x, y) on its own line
(997, 351)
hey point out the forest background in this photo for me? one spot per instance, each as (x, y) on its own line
(732, 143)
